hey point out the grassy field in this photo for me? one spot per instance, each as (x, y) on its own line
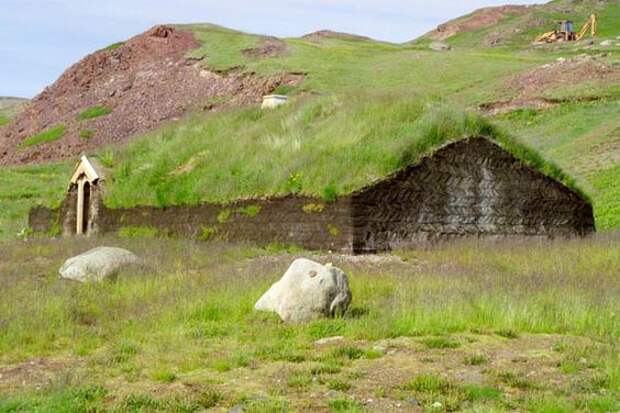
(473, 326)
(25, 186)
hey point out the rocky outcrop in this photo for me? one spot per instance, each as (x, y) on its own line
(97, 264)
(137, 85)
(308, 290)
(477, 20)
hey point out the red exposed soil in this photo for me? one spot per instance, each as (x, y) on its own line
(145, 81)
(477, 20)
(269, 47)
(561, 73)
(530, 87)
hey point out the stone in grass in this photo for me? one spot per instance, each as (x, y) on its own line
(308, 290)
(440, 46)
(329, 340)
(97, 264)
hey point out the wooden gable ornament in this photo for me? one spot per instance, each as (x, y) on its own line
(86, 170)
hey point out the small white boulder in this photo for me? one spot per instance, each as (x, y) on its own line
(97, 264)
(440, 46)
(308, 290)
(273, 101)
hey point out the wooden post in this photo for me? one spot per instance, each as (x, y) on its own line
(80, 207)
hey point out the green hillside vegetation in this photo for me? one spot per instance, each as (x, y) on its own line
(289, 150)
(48, 135)
(367, 108)
(518, 30)
(25, 186)
(94, 112)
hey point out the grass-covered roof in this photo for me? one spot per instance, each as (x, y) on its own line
(322, 147)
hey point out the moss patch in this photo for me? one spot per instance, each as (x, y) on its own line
(86, 134)
(250, 210)
(137, 232)
(49, 135)
(94, 112)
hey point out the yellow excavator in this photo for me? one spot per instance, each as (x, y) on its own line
(565, 31)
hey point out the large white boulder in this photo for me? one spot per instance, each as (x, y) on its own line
(97, 264)
(308, 290)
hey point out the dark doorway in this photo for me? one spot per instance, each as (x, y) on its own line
(86, 213)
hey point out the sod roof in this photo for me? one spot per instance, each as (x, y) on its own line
(317, 148)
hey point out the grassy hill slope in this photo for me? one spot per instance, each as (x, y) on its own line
(361, 113)
(520, 26)
(9, 107)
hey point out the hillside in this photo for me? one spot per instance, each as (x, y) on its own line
(359, 109)
(10, 107)
(126, 89)
(517, 26)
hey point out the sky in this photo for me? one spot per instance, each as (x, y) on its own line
(39, 39)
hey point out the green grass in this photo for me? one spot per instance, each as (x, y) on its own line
(24, 186)
(187, 321)
(221, 47)
(86, 134)
(49, 135)
(94, 112)
(475, 360)
(114, 46)
(137, 232)
(427, 383)
(345, 406)
(430, 389)
(4, 120)
(440, 343)
(607, 185)
(289, 150)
